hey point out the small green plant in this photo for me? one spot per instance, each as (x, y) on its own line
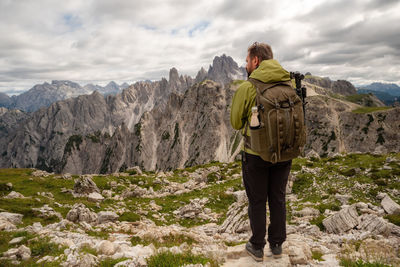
(393, 218)
(88, 249)
(369, 109)
(175, 260)
(317, 255)
(360, 263)
(42, 246)
(318, 222)
(129, 217)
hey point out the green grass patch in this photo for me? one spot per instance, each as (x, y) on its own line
(88, 250)
(100, 234)
(175, 260)
(335, 206)
(129, 217)
(364, 110)
(393, 218)
(109, 262)
(318, 222)
(42, 247)
(360, 263)
(317, 255)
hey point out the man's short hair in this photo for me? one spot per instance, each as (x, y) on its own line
(261, 50)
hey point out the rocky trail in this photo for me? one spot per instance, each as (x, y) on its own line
(341, 210)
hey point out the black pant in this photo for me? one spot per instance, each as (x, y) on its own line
(266, 181)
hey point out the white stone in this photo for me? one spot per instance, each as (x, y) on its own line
(390, 206)
(95, 197)
(342, 221)
(106, 216)
(14, 218)
(80, 212)
(13, 195)
(107, 193)
(106, 247)
(5, 225)
(16, 240)
(24, 252)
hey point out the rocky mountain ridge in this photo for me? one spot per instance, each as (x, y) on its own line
(224, 69)
(42, 95)
(326, 85)
(173, 124)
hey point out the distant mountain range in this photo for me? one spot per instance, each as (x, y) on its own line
(387, 93)
(42, 95)
(183, 121)
(223, 70)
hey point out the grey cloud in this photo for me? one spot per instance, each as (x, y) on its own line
(240, 10)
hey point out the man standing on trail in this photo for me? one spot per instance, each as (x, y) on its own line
(263, 180)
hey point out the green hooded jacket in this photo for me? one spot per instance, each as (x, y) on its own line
(245, 96)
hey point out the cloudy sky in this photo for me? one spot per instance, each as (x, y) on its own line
(96, 41)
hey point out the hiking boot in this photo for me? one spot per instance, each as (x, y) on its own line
(276, 250)
(256, 254)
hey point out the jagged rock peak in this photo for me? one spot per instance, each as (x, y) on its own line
(224, 69)
(65, 82)
(201, 75)
(173, 76)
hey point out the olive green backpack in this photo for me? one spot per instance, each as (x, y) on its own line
(282, 133)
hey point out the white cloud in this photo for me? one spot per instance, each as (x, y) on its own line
(99, 40)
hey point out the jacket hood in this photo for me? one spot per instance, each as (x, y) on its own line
(270, 71)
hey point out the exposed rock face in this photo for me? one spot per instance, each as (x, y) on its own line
(46, 212)
(236, 219)
(201, 75)
(13, 218)
(106, 216)
(224, 69)
(5, 100)
(390, 206)
(9, 121)
(339, 87)
(374, 224)
(43, 95)
(79, 213)
(85, 185)
(342, 221)
(179, 84)
(333, 128)
(171, 124)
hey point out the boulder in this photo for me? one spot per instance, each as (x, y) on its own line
(312, 154)
(106, 216)
(299, 252)
(22, 252)
(14, 218)
(13, 195)
(85, 185)
(390, 206)
(106, 247)
(95, 197)
(374, 224)
(307, 212)
(342, 221)
(80, 212)
(46, 212)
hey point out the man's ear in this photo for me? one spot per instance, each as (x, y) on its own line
(256, 61)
